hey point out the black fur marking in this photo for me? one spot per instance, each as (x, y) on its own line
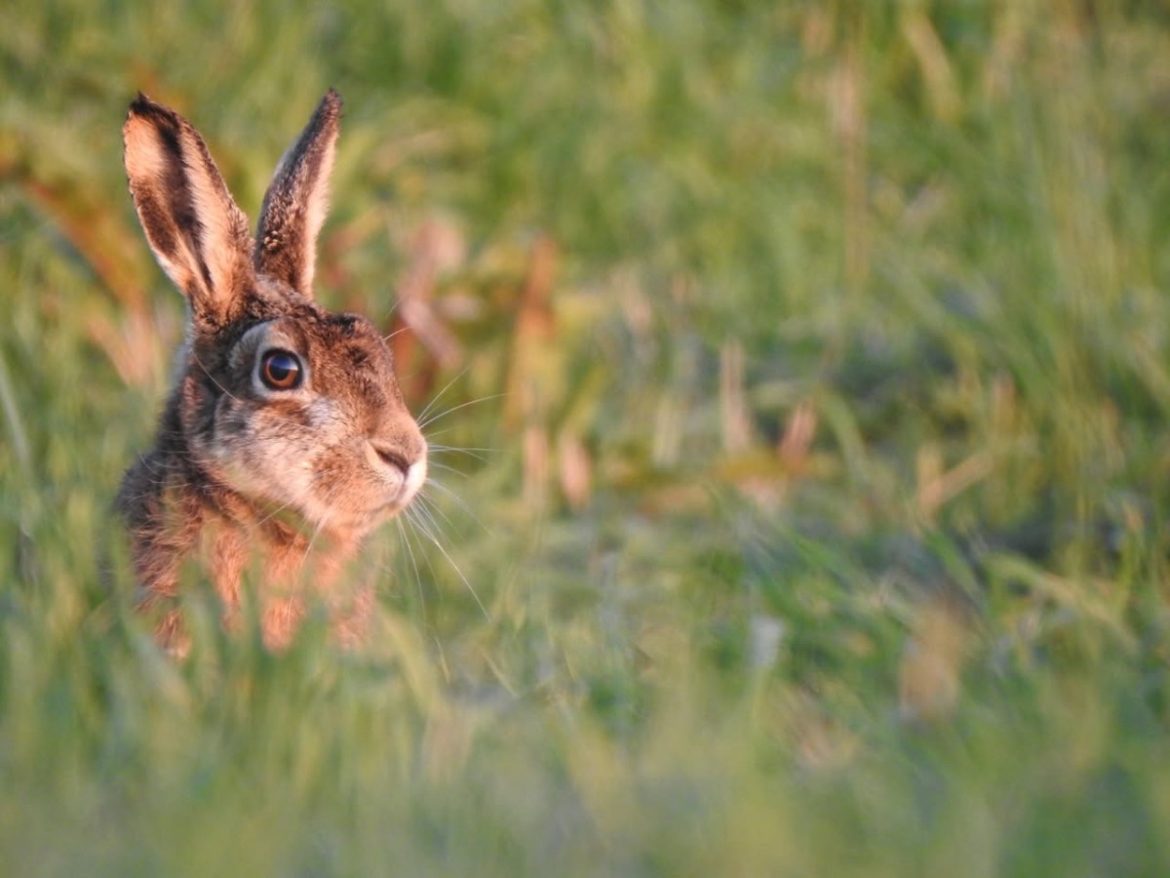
(358, 357)
(157, 223)
(347, 323)
(182, 201)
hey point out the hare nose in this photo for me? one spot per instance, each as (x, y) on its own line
(392, 457)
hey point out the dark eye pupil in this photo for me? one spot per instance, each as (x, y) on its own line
(280, 370)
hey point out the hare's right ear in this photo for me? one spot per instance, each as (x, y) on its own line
(295, 204)
(198, 234)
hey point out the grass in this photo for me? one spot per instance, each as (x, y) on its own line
(814, 359)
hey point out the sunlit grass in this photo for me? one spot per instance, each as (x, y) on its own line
(812, 369)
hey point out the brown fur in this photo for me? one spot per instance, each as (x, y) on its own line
(242, 475)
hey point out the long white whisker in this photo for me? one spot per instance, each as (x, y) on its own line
(275, 512)
(433, 509)
(413, 563)
(425, 556)
(439, 395)
(434, 464)
(426, 511)
(462, 503)
(322, 523)
(451, 449)
(422, 529)
(424, 424)
(431, 435)
(438, 433)
(390, 315)
(313, 539)
(226, 392)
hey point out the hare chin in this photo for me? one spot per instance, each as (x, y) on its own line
(407, 492)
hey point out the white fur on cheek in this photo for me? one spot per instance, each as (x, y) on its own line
(265, 459)
(325, 418)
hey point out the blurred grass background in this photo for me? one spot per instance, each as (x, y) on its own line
(811, 365)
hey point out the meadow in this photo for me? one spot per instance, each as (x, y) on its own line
(800, 376)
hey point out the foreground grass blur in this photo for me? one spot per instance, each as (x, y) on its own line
(810, 368)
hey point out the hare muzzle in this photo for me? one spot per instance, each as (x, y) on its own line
(405, 470)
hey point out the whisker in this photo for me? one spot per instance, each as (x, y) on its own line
(313, 539)
(413, 563)
(452, 449)
(212, 377)
(434, 464)
(439, 395)
(425, 556)
(393, 310)
(426, 511)
(462, 503)
(424, 424)
(430, 436)
(419, 525)
(322, 523)
(432, 509)
(276, 511)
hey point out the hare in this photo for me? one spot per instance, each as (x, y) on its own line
(285, 439)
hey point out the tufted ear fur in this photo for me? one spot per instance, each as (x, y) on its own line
(295, 205)
(197, 233)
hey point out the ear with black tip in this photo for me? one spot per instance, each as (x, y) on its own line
(198, 234)
(296, 202)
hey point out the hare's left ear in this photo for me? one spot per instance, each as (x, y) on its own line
(294, 207)
(193, 226)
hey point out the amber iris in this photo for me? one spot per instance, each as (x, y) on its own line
(280, 370)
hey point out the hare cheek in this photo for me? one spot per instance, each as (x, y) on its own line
(257, 455)
(325, 420)
(221, 442)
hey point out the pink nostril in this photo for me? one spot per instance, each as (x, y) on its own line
(393, 458)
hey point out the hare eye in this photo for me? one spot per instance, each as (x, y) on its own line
(280, 370)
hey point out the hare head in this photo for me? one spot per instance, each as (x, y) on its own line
(279, 405)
